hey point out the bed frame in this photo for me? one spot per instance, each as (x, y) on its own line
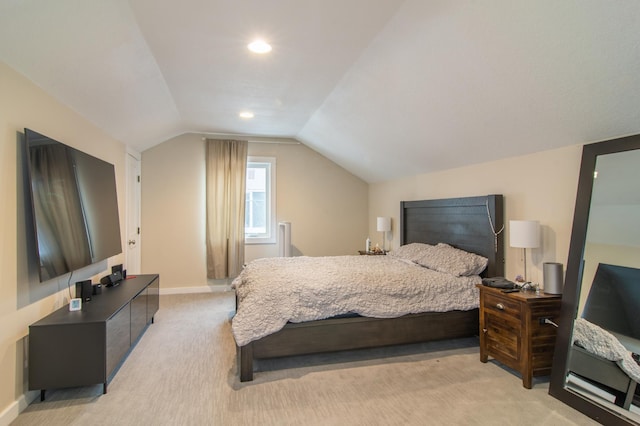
(460, 222)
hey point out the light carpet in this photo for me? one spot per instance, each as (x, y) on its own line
(183, 372)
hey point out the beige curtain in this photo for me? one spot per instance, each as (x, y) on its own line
(226, 172)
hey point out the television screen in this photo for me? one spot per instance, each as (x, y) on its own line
(614, 300)
(75, 206)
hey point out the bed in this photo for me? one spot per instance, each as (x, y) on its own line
(471, 224)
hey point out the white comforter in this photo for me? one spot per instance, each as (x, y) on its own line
(600, 342)
(274, 291)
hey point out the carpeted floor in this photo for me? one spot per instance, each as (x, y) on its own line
(183, 372)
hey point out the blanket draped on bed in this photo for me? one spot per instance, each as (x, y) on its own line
(274, 291)
(600, 342)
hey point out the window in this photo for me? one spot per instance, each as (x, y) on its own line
(259, 215)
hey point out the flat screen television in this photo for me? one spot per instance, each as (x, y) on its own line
(75, 206)
(614, 303)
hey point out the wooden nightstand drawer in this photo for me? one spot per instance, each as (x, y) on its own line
(502, 305)
(513, 330)
(502, 336)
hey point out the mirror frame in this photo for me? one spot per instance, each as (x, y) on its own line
(573, 281)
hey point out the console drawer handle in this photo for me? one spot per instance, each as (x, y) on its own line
(500, 306)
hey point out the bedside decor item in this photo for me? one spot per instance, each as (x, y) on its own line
(524, 234)
(384, 226)
(372, 252)
(552, 277)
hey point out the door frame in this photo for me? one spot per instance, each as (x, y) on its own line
(133, 257)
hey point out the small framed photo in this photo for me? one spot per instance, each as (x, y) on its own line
(75, 304)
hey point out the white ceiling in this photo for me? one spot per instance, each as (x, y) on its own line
(384, 88)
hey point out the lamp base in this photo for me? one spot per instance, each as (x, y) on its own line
(526, 279)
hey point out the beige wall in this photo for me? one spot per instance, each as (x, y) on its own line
(539, 186)
(23, 299)
(173, 218)
(325, 204)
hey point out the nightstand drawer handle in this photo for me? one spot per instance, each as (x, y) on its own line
(500, 306)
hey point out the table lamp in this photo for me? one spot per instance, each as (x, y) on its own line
(384, 226)
(524, 234)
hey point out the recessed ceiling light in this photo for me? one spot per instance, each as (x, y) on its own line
(246, 114)
(259, 46)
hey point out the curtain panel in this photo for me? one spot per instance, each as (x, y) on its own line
(225, 203)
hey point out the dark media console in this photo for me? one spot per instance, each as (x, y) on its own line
(81, 348)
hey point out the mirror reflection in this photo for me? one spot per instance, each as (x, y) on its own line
(603, 363)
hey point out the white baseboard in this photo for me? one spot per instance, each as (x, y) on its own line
(199, 289)
(11, 412)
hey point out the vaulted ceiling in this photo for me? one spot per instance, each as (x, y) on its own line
(384, 88)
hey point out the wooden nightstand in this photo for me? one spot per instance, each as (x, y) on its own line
(513, 331)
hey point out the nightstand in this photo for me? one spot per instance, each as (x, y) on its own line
(371, 253)
(513, 331)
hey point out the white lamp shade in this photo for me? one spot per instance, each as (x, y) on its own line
(524, 233)
(384, 224)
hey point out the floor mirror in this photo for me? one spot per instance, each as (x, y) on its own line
(595, 367)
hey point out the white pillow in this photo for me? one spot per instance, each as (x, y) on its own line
(444, 258)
